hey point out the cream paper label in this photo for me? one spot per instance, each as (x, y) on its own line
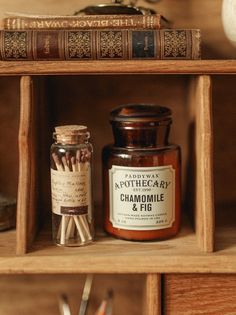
(142, 198)
(70, 192)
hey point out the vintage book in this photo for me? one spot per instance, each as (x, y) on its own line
(41, 22)
(100, 44)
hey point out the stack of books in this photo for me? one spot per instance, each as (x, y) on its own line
(95, 37)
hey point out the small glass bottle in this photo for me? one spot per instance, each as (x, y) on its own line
(141, 175)
(72, 218)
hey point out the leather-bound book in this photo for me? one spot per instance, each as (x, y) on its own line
(48, 22)
(109, 44)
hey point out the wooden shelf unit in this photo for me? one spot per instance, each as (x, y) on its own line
(190, 252)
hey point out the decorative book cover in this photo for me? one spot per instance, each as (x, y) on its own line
(100, 44)
(27, 22)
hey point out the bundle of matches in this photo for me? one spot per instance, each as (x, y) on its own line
(70, 176)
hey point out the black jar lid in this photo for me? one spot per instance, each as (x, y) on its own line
(141, 113)
(116, 7)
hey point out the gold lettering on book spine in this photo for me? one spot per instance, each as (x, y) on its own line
(46, 45)
(82, 22)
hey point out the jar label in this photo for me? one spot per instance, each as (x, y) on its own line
(70, 192)
(142, 198)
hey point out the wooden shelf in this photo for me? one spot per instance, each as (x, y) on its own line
(118, 67)
(109, 255)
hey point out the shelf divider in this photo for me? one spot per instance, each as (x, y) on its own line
(201, 111)
(152, 295)
(26, 227)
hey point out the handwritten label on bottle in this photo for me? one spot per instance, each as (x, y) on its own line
(142, 198)
(70, 192)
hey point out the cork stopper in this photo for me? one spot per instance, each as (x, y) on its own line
(71, 134)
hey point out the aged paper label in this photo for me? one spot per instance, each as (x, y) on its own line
(142, 198)
(70, 192)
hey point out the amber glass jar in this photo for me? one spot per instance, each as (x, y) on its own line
(141, 175)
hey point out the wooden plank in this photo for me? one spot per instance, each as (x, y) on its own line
(118, 67)
(93, 262)
(26, 183)
(202, 155)
(176, 255)
(23, 200)
(116, 256)
(205, 214)
(200, 294)
(152, 295)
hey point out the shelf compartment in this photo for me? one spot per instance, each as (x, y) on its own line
(39, 294)
(190, 100)
(9, 124)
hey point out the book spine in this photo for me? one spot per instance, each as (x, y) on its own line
(165, 44)
(83, 22)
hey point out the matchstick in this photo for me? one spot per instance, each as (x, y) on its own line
(57, 162)
(83, 220)
(79, 229)
(63, 230)
(74, 164)
(78, 156)
(70, 231)
(64, 161)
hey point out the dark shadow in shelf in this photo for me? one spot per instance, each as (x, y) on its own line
(225, 238)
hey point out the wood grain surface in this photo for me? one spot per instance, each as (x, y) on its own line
(24, 201)
(200, 98)
(118, 67)
(200, 294)
(152, 295)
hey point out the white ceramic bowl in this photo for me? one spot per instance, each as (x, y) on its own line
(229, 19)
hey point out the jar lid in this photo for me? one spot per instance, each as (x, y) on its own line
(115, 7)
(140, 113)
(71, 134)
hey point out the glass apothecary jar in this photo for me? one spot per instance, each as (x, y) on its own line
(141, 175)
(72, 213)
